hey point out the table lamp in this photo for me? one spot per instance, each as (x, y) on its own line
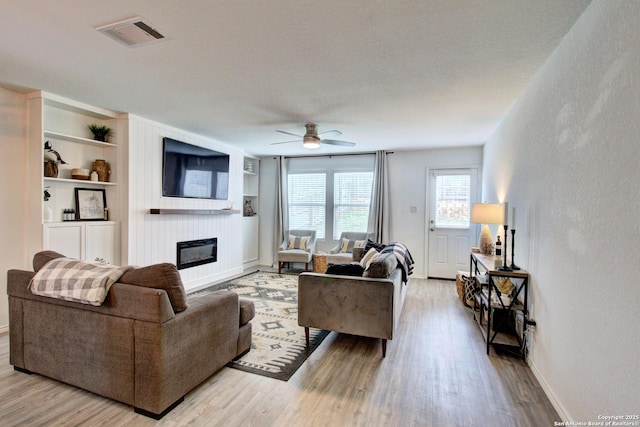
(485, 214)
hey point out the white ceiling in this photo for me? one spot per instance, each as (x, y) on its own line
(388, 74)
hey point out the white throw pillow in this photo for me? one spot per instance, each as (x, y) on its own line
(369, 257)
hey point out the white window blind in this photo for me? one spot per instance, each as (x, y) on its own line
(453, 201)
(307, 199)
(351, 201)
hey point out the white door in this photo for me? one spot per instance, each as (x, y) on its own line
(450, 235)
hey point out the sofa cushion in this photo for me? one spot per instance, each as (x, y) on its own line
(368, 257)
(371, 244)
(382, 266)
(43, 257)
(351, 269)
(159, 276)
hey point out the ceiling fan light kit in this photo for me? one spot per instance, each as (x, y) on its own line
(312, 139)
(311, 143)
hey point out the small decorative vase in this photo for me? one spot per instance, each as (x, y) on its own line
(102, 168)
(47, 214)
(51, 169)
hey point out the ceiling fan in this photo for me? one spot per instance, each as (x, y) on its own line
(312, 139)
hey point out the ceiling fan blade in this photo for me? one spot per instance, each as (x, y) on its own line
(337, 142)
(331, 133)
(285, 142)
(289, 133)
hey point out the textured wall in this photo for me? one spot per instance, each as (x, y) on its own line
(568, 158)
(12, 164)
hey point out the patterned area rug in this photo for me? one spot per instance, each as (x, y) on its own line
(278, 346)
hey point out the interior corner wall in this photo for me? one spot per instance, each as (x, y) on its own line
(408, 193)
(567, 158)
(152, 238)
(13, 163)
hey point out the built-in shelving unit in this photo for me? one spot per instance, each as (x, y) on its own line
(250, 220)
(64, 124)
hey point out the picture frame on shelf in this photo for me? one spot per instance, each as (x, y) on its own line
(91, 204)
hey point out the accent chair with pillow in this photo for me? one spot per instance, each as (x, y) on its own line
(298, 246)
(342, 253)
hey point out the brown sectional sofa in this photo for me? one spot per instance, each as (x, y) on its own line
(136, 348)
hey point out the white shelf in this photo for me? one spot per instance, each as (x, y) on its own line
(80, 181)
(77, 139)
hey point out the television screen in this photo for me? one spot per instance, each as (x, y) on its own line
(195, 172)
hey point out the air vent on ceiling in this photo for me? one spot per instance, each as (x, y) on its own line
(133, 32)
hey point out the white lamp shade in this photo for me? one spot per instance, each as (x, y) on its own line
(487, 213)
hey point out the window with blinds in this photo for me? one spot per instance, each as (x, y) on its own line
(330, 194)
(351, 201)
(307, 202)
(453, 201)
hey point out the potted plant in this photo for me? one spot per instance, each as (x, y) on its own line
(100, 132)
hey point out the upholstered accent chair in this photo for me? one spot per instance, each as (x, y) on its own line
(298, 246)
(342, 253)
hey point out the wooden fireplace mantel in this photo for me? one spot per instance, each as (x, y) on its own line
(157, 211)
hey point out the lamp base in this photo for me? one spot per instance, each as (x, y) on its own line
(506, 268)
(486, 240)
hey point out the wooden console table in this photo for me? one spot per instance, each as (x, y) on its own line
(501, 320)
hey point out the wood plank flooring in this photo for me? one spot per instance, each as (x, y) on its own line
(436, 373)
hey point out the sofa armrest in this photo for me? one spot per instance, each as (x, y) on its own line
(174, 357)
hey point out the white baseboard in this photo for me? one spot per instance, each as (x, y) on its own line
(206, 281)
(562, 413)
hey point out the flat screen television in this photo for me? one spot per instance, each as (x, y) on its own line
(194, 172)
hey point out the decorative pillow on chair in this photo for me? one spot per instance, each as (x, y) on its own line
(347, 245)
(298, 242)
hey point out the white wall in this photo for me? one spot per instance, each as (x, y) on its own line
(13, 158)
(152, 238)
(408, 187)
(567, 156)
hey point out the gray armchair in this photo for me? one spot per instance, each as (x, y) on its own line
(298, 246)
(335, 256)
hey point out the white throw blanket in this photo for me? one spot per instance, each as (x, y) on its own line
(74, 280)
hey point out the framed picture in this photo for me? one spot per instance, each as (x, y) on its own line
(90, 204)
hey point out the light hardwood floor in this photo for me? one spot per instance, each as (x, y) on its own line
(436, 373)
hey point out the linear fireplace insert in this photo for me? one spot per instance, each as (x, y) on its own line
(196, 252)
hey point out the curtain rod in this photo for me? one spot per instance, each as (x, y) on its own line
(302, 156)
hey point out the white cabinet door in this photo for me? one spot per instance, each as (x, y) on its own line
(250, 233)
(102, 241)
(66, 238)
(84, 240)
